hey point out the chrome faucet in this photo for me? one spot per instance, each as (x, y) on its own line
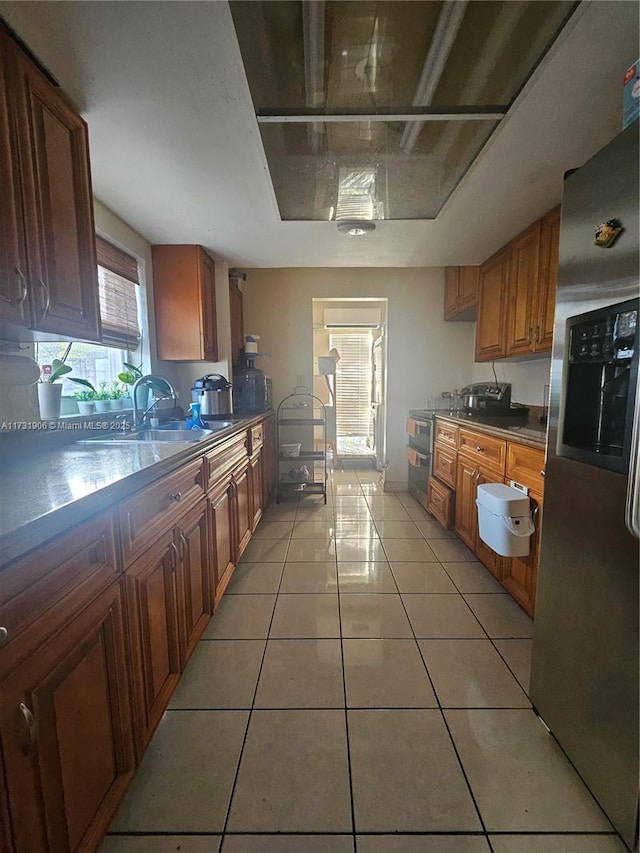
(155, 383)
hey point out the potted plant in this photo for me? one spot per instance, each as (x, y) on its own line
(116, 396)
(130, 376)
(86, 401)
(103, 398)
(49, 392)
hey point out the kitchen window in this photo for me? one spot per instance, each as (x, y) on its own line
(353, 388)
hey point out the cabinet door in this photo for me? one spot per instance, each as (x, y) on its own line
(444, 464)
(468, 288)
(523, 285)
(66, 732)
(451, 280)
(440, 501)
(58, 206)
(483, 552)
(520, 574)
(492, 302)
(244, 516)
(268, 459)
(13, 268)
(466, 515)
(194, 595)
(547, 280)
(222, 537)
(153, 619)
(237, 320)
(208, 296)
(256, 489)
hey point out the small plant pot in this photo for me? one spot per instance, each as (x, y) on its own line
(86, 407)
(103, 405)
(116, 405)
(49, 396)
(68, 406)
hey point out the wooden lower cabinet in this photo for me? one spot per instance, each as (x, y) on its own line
(255, 469)
(244, 517)
(222, 537)
(66, 731)
(440, 502)
(194, 578)
(154, 631)
(470, 475)
(520, 574)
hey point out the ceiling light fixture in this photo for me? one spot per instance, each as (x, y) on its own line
(355, 227)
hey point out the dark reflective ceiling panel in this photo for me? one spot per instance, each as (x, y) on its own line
(340, 57)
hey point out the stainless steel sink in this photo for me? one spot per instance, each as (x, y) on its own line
(212, 426)
(157, 435)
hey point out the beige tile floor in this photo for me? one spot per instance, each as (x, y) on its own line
(362, 688)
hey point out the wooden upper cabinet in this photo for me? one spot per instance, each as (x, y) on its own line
(492, 302)
(237, 320)
(185, 303)
(460, 292)
(451, 281)
(58, 275)
(548, 279)
(524, 255)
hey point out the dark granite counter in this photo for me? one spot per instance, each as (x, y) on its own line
(521, 428)
(48, 491)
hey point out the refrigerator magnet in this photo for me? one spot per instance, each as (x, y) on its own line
(607, 233)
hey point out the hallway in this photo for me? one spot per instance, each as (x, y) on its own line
(361, 689)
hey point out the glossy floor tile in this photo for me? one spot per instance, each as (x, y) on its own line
(361, 688)
(297, 761)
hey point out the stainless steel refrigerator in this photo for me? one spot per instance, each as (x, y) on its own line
(584, 681)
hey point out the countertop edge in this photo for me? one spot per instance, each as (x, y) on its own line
(18, 542)
(489, 429)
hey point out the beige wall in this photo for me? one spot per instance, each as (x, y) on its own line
(278, 307)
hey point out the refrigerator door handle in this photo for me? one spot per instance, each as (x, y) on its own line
(632, 506)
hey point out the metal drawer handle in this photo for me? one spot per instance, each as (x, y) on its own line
(175, 496)
(23, 286)
(542, 473)
(185, 544)
(47, 298)
(176, 554)
(32, 728)
(480, 448)
(4, 636)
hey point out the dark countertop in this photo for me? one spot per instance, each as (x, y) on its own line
(47, 492)
(521, 428)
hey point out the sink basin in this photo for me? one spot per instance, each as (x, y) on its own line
(177, 426)
(157, 435)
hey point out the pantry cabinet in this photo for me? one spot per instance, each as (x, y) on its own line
(185, 303)
(48, 265)
(524, 256)
(492, 304)
(547, 279)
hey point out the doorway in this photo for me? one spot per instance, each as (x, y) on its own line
(349, 348)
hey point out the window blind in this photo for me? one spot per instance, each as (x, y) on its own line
(117, 282)
(353, 382)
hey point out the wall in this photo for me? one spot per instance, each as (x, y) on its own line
(278, 306)
(527, 377)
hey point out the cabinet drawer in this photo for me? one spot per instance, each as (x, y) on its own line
(446, 433)
(444, 464)
(221, 461)
(147, 515)
(525, 465)
(485, 449)
(257, 438)
(440, 502)
(82, 560)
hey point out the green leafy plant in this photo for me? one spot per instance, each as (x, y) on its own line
(103, 393)
(131, 373)
(85, 396)
(59, 368)
(116, 392)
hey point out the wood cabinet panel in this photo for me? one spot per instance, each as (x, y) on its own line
(82, 560)
(440, 502)
(269, 465)
(244, 516)
(446, 433)
(222, 536)
(194, 592)
(524, 255)
(466, 517)
(451, 284)
(255, 480)
(444, 464)
(492, 303)
(256, 434)
(486, 555)
(548, 279)
(65, 720)
(224, 459)
(236, 311)
(525, 465)
(483, 449)
(185, 304)
(148, 514)
(468, 287)
(48, 265)
(520, 574)
(155, 645)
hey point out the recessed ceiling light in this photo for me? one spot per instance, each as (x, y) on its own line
(356, 227)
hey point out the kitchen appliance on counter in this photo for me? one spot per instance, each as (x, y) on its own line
(584, 679)
(213, 393)
(252, 392)
(487, 397)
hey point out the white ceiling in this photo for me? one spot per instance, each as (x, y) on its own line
(176, 151)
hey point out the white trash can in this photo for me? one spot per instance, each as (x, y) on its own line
(504, 519)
